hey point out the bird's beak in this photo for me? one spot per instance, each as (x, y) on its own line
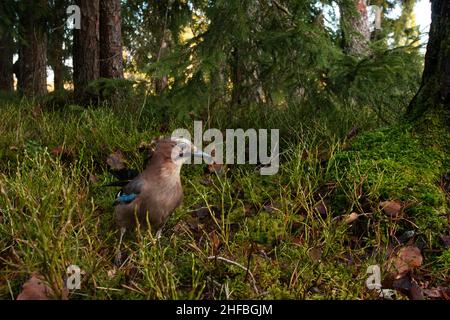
(199, 154)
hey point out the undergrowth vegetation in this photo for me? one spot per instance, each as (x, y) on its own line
(238, 234)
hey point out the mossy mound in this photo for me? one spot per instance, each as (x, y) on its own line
(406, 163)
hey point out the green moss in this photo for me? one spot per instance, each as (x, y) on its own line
(403, 162)
(55, 214)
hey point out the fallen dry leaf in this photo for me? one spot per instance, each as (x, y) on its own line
(446, 293)
(351, 217)
(321, 208)
(434, 293)
(214, 240)
(392, 209)
(35, 289)
(409, 287)
(315, 254)
(57, 151)
(116, 161)
(415, 293)
(446, 241)
(61, 151)
(407, 259)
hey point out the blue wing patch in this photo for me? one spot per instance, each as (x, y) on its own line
(124, 198)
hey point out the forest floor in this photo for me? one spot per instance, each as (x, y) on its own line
(342, 201)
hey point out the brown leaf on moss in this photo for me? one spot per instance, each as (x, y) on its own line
(407, 259)
(57, 151)
(214, 240)
(415, 293)
(315, 254)
(446, 241)
(321, 208)
(351, 217)
(434, 293)
(116, 161)
(62, 152)
(393, 208)
(409, 287)
(36, 289)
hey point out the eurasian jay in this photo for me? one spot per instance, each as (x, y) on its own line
(155, 193)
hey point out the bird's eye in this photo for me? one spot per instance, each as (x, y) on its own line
(184, 147)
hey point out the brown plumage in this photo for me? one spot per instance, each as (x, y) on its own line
(153, 195)
(158, 191)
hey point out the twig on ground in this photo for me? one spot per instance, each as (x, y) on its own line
(238, 265)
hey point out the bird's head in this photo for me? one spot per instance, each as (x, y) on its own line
(178, 151)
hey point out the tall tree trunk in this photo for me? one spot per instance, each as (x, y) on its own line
(33, 50)
(6, 63)
(111, 61)
(355, 26)
(435, 86)
(6, 47)
(161, 83)
(56, 41)
(56, 58)
(58, 70)
(86, 50)
(379, 17)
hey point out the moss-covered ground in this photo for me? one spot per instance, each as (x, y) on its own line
(288, 230)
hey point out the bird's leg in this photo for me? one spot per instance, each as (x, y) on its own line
(158, 234)
(118, 258)
(160, 230)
